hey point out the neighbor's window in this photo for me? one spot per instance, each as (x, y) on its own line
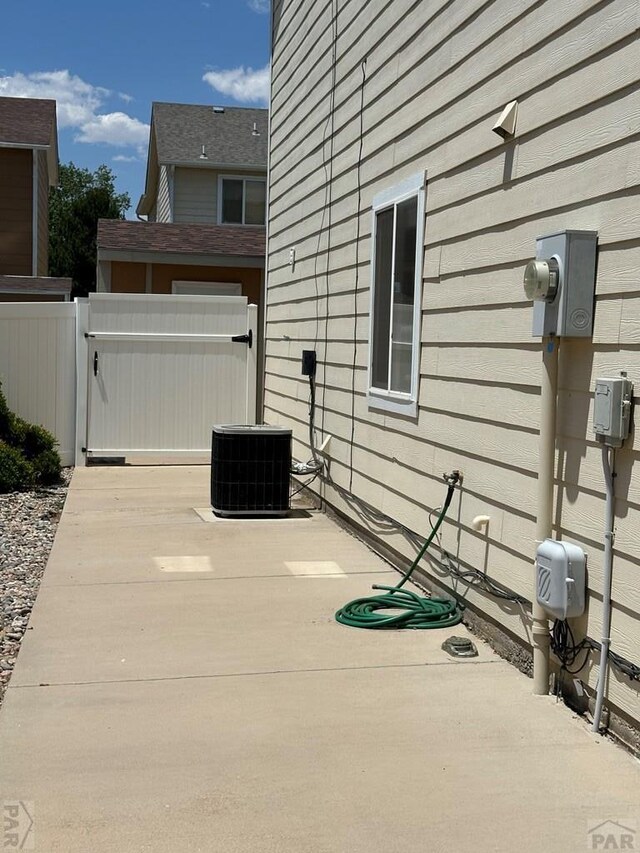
(242, 201)
(398, 219)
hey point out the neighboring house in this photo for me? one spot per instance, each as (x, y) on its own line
(205, 201)
(22, 288)
(28, 167)
(382, 153)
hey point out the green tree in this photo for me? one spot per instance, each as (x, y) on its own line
(75, 205)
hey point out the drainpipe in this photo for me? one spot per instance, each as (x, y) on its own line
(546, 472)
(608, 463)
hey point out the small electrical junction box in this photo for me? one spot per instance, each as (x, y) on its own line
(612, 400)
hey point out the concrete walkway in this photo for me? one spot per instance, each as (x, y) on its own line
(184, 687)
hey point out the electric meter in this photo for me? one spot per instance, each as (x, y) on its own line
(541, 279)
(561, 281)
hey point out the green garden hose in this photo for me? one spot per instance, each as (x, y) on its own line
(400, 608)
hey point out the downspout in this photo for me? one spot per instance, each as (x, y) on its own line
(608, 465)
(544, 524)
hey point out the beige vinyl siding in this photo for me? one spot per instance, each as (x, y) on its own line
(437, 77)
(43, 214)
(196, 193)
(163, 205)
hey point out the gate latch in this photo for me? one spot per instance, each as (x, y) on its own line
(244, 339)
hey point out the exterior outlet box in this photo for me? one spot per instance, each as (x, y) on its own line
(567, 310)
(612, 410)
(308, 362)
(561, 578)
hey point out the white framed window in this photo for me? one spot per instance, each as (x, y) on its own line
(396, 297)
(242, 200)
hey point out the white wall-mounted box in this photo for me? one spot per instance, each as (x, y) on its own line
(561, 569)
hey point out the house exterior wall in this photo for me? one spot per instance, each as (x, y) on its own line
(16, 203)
(196, 193)
(164, 212)
(32, 297)
(436, 77)
(43, 214)
(127, 277)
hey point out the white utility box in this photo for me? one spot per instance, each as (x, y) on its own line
(612, 410)
(561, 578)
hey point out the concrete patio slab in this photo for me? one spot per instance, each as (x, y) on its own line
(200, 697)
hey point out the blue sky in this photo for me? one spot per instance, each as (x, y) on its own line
(106, 62)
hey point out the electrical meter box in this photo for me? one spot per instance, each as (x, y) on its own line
(561, 577)
(612, 410)
(562, 282)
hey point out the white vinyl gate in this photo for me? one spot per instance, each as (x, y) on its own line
(162, 370)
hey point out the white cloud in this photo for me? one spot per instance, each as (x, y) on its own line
(124, 97)
(113, 129)
(242, 84)
(124, 158)
(78, 106)
(260, 6)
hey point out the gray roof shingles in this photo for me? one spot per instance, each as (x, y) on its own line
(34, 284)
(27, 121)
(125, 235)
(182, 129)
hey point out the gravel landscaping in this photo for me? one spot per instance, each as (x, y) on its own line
(28, 522)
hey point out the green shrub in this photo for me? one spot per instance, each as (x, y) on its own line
(46, 467)
(36, 440)
(29, 456)
(5, 416)
(15, 472)
(17, 431)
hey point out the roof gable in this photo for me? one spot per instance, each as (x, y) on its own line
(227, 134)
(31, 123)
(27, 121)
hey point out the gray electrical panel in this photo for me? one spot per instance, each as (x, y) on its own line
(565, 272)
(561, 578)
(612, 410)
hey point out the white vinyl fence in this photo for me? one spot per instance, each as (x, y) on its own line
(119, 374)
(37, 366)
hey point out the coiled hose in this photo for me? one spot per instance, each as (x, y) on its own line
(401, 608)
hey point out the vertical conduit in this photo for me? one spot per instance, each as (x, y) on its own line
(608, 463)
(546, 466)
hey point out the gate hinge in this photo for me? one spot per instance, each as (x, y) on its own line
(244, 339)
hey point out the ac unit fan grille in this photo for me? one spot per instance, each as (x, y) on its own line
(250, 471)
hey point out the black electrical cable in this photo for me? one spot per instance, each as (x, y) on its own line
(567, 651)
(479, 580)
(363, 67)
(626, 667)
(565, 648)
(303, 486)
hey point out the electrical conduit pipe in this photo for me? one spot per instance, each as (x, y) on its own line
(546, 466)
(608, 463)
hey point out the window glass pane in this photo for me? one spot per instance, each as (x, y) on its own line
(231, 201)
(382, 300)
(254, 206)
(404, 278)
(401, 367)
